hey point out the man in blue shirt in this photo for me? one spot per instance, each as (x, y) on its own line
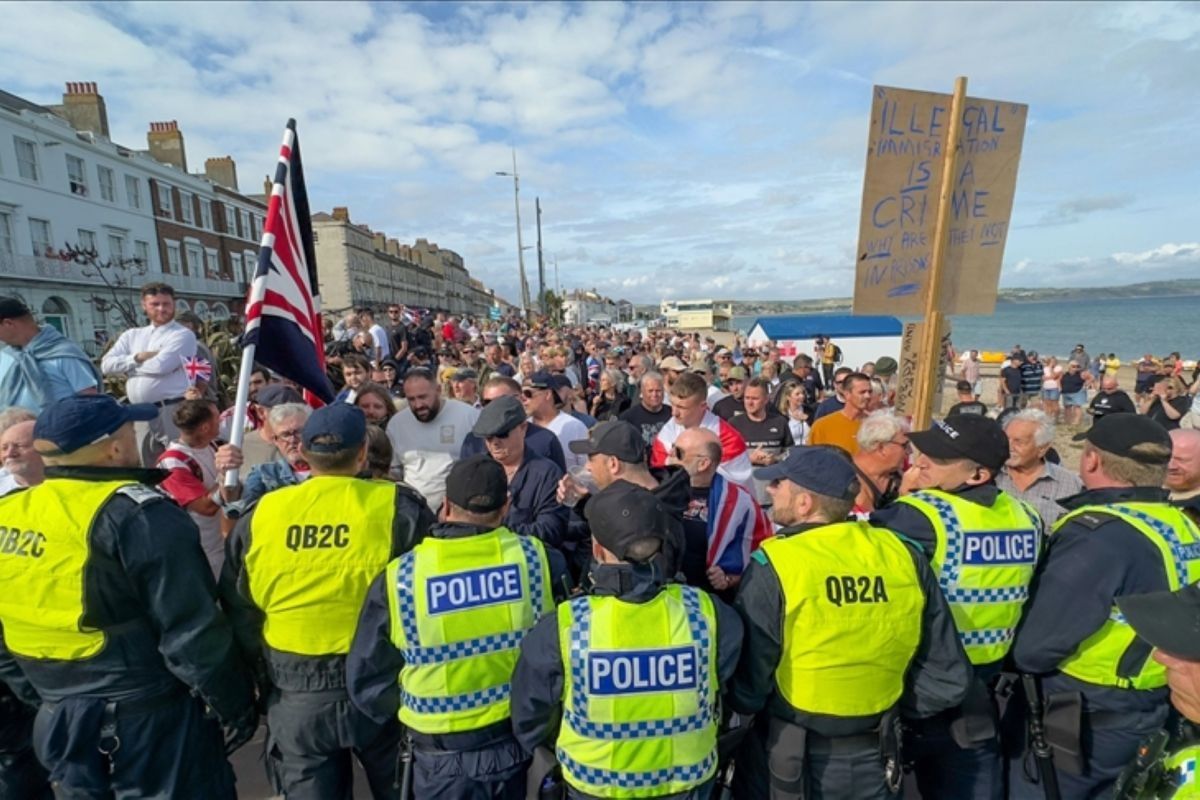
(39, 365)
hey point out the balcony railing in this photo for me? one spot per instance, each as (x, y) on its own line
(54, 270)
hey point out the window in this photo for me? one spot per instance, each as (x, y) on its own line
(141, 251)
(173, 266)
(116, 247)
(186, 212)
(108, 189)
(57, 314)
(251, 262)
(39, 232)
(87, 241)
(235, 262)
(195, 259)
(212, 266)
(164, 200)
(27, 162)
(230, 222)
(133, 191)
(6, 233)
(255, 227)
(244, 220)
(206, 214)
(76, 176)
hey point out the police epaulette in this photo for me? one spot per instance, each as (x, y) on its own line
(759, 556)
(140, 493)
(1092, 519)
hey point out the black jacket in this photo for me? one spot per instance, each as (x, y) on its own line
(290, 671)
(937, 678)
(1091, 560)
(147, 574)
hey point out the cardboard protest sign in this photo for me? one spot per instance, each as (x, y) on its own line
(901, 188)
(910, 355)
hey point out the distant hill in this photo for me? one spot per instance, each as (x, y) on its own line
(1175, 288)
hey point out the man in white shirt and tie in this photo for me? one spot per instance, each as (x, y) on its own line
(152, 360)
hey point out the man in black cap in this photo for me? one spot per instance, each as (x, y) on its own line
(846, 629)
(1119, 537)
(39, 364)
(616, 451)
(110, 621)
(532, 480)
(543, 406)
(983, 545)
(541, 441)
(634, 706)
(296, 572)
(446, 618)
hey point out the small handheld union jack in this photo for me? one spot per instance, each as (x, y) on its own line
(197, 369)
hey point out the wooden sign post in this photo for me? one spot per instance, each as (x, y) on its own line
(937, 198)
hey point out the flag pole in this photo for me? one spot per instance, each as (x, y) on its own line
(237, 434)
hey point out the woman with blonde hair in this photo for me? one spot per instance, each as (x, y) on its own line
(792, 400)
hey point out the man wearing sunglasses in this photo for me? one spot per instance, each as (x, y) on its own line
(543, 407)
(538, 440)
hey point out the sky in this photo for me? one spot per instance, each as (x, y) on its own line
(678, 150)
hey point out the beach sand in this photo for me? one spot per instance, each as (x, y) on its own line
(1068, 450)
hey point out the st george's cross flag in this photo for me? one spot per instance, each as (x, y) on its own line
(283, 312)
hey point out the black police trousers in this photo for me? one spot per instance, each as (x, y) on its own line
(312, 737)
(494, 772)
(21, 776)
(146, 748)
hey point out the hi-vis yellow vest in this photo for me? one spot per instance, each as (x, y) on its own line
(1181, 772)
(459, 609)
(1098, 658)
(853, 606)
(984, 559)
(640, 701)
(44, 547)
(314, 550)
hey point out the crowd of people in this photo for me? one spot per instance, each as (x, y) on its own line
(514, 559)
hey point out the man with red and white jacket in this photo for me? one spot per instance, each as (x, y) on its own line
(689, 409)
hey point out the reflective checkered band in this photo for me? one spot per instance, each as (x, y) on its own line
(951, 568)
(692, 774)
(1116, 616)
(581, 628)
(436, 654)
(458, 702)
(1180, 553)
(986, 636)
(1186, 773)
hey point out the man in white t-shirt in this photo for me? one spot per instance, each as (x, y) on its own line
(427, 437)
(542, 405)
(192, 479)
(382, 347)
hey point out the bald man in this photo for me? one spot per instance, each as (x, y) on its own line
(1183, 471)
(735, 521)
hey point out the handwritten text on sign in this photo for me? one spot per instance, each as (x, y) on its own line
(900, 197)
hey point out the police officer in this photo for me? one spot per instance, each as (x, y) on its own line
(447, 618)
(624, 682)
(1102, 691)
(296, 573)
(845, 628)
(109, 617)
(983, 545)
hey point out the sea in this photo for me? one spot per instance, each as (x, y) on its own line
(1129, 327)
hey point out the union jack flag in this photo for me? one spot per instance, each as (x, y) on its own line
(283, 311)
(197, 369)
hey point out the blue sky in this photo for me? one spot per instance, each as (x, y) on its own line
(679, 150)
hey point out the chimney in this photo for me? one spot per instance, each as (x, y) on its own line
(380, 241)
(222, 171)
(341, 213)
(83, 107)
(393, 247)
(268, 185)
(166, 144)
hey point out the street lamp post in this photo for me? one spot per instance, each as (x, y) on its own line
(520, 249)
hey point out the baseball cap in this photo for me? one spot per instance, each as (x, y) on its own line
(1121, 435)
(12, 308)
(964, 386)
(737, 374)
(978, 438)
(540, 380)
(499, 417)
(477, 484)
(276, 394)
(622, 514)
(1169, 621)
(886, 366)
(79, 420)
(819, 469)
(465, 374)
(612, 438)
(672, 363)
(344, 425)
